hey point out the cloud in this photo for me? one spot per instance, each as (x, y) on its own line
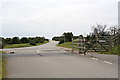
(53, 17)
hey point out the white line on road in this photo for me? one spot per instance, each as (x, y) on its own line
(38, 51)
(94, 58)
(108, 62)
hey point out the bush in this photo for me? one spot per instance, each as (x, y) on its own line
(32, 42)
(61, 41)
(24, 40)
(46, 39)
(36, 40)
(15, 40)
(41, 41)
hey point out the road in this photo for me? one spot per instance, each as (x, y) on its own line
(50, 61)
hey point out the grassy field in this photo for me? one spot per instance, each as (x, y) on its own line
(2, 66)
(22, 45)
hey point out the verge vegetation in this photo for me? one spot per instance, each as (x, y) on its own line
(17, 42)
(22, 45)
(66, 45)
(3, 63)
(115, 50)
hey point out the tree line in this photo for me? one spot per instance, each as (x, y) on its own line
(16, 40)
(65, 37)
(97, 31)
(103, 31)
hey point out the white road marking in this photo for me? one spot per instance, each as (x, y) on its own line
(38, 51)
(94, 58)
(108, 62)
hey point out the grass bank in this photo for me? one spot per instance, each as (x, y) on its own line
(115, 51)
(3, 63)
(66, 45)
(22, 45)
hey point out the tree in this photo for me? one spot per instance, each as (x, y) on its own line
(32, 42)
(15, 40)
(61, 40)
(8, 41)
(56, 38)
(41, 39)
(1, 43)
(68, 36)
(24, 40)
(99, 30)
(37, 40)
(113, 30)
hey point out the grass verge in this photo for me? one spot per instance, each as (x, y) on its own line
(66, 45)
(17, 45)
(22, 45)
(3, 63)
(115, 51)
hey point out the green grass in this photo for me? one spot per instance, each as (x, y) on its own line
(66, 45)
(69, 45)
(115, 51)
(4, 72)
(22, 45)
(3, 63)
(1, 52)
(17, 45)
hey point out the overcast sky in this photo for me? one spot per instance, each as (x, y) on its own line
(53, 17)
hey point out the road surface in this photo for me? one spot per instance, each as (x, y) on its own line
(50, 61)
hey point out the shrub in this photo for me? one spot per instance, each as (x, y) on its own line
(32, 42)
(24, 40)
(15, 40)
(36, 40)
(61, 41)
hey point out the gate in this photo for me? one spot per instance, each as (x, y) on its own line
(83, 45)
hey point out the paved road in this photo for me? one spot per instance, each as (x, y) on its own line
(50, 61)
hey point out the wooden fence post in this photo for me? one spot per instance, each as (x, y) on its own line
(72, 46)
(110, 43)
(79, 45)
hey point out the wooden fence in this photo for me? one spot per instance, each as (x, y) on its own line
(104, 44)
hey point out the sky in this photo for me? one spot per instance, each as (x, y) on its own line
(48, 18)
